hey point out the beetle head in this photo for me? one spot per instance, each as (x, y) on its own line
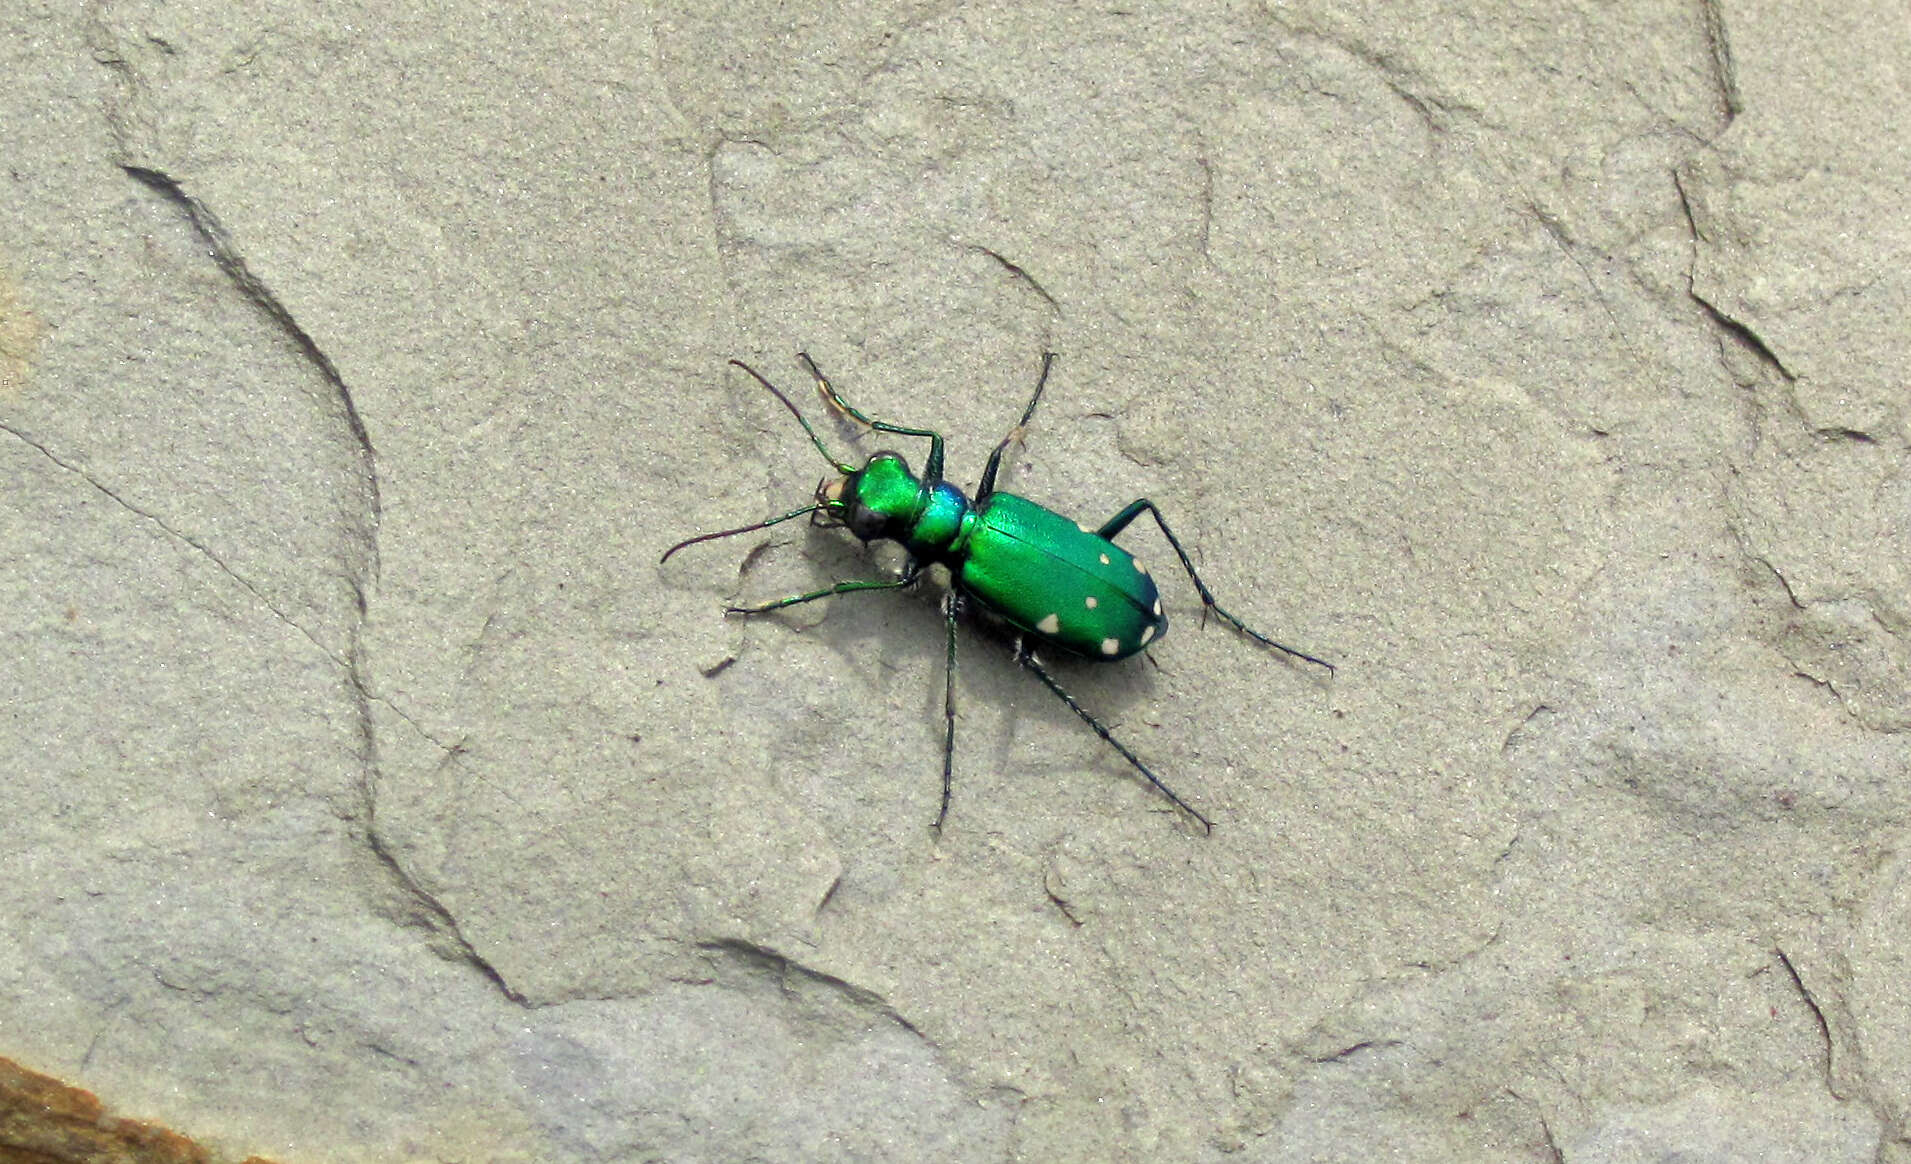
(880, 500)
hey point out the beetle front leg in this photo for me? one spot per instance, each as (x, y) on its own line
(931, 470)
(910, 573)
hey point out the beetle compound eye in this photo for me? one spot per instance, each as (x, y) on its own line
(865, 522)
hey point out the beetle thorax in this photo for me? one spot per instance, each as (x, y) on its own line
(884, 499)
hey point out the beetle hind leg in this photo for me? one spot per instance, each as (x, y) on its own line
(1027, 659)
(1114, 525)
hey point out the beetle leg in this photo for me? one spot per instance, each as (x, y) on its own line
(1027, 659)
(910, 573)
(1015, 434)
(931, 472)
(951, 611)
(1120, 521)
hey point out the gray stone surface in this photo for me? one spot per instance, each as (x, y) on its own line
(372, 793)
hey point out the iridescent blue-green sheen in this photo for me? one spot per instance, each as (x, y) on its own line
(1057, 580)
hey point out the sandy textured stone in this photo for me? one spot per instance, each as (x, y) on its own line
(374, 794)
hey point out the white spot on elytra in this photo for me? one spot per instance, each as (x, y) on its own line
(1148, 632)
(1157, 606)
(1139, 568)
(1104, 559)
(1083, 528)
(1092, 601)
(1109, 646)
(1049, 624)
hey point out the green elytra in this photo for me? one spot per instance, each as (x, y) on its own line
(1054, 581)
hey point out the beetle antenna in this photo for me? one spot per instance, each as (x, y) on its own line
(765, 524)
(839, 466)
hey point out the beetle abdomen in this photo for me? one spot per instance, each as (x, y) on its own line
(1059, 581)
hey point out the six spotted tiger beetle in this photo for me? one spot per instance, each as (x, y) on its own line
(1054, 581)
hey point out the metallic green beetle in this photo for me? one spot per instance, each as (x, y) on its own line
(1054, 581)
